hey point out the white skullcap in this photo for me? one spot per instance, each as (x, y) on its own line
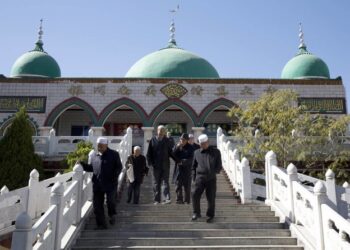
(191, 136)
(102, 140)
(203, 138)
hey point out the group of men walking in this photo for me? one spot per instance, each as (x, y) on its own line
(196, 167)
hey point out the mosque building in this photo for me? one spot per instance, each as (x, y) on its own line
(171, 86)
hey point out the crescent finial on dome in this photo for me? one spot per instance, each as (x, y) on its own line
(39, 44)
(172, 41)
(301, 37)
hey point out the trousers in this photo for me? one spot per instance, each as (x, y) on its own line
(134, 189)
(161, 176)
(201, 184)
(98, 204)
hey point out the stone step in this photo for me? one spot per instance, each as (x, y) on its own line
(186, 241)
(188, 207)
(170, 219)
(198, 247)
(201, 224)
(188, 212)
(187, 233)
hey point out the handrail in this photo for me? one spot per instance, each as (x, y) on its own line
(66, 206)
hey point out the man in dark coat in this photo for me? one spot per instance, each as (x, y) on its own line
(206, 164)
(138, 162)
(106, 167)
(182, 171)
(158, 153)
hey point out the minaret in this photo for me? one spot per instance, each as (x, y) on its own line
(172, 41)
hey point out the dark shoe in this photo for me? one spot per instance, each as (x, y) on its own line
(136, 202)
(100, 227)
(112, 220)
(195, 217)
(127, 201)
(210, 219)
(179, 202)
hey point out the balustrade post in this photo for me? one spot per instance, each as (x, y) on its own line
(235, 160)
(331, 189)
(52, 141)
(33, 192)
(292, 176)
(56, 199)
(218, 135)
(78, 177)
(270, 160)
(320, 192)
(129, 141)
(246, 182)
(147, 136)
(22, 236)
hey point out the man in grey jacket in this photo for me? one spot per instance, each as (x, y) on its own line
(206, 164)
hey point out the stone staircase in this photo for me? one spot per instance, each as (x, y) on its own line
(169, 226)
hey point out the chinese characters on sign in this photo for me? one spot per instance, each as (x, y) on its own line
(323, 105)
(33, 104)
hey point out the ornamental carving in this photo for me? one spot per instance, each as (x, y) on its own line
(270, 89)
(174, 90)
(197, 90)
(247, 91)
(151, 90)
(123, 90)
(221, 91)
(100, 90)
(76, 90)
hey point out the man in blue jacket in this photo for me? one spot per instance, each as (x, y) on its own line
(106, 167)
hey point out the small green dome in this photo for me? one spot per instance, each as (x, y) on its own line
(305, 65)
(172, 62)
(36, 63)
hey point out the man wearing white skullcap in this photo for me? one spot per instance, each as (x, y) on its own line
(206, 164)
(106, 167)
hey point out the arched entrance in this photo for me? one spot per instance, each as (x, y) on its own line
(215, 115)
(121, 114)
(176, 115)
(72, 117)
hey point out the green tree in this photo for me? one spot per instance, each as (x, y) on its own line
(80, 154)
(17, 157)
(292, 133)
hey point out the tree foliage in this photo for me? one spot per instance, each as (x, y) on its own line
(80, 154)
(17, 156)
(293, 134)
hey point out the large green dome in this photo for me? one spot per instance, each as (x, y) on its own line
(172, 62)
(305, 65)
(36, 63)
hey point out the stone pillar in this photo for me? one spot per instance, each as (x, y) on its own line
(147, 135)
(97, 131)
(44, 131)
(197, 131)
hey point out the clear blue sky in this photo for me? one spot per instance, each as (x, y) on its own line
(242, 39)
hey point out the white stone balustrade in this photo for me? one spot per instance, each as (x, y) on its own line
(317, 214)
(64, 201)
(52, 145)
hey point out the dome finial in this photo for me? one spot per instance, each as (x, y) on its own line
(301, 37)
(39, 44)
(172, 41)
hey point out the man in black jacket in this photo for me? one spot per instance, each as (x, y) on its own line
(182, 171)
(138, 162)
(106, 167)
(206, 164)
(158, 153)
